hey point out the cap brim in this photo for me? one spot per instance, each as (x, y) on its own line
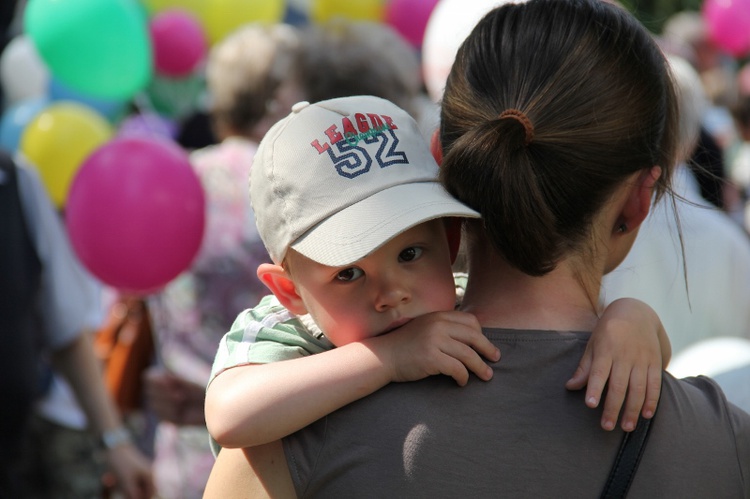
(363, 227)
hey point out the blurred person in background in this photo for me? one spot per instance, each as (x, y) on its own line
(343, 57)
(49, 307)
(685, 34)
(700, 292)
(739, 167)
(250, 85)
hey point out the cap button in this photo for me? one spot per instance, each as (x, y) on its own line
(300, 106)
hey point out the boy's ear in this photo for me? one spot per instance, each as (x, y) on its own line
(280, 283)
(435, 148)
(453, 231)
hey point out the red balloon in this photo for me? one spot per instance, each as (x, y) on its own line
(179, 42)
(136, 213)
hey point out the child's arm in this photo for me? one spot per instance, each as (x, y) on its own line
(627, 351)
(254, 404)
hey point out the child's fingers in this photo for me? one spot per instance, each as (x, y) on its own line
(484, 347)
(449, 343)
(653, 392)
(598, 375)
(635, 398)
(450, 366)
(581, 374)
(469, 359)
(617, 388)
(471, 334)
(477, 342)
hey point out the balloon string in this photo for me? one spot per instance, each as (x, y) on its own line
(142, 102)
(145, 109)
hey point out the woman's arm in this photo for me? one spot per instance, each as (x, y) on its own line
(254, 473)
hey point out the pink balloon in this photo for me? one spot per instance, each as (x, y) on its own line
(135, 213)
(409, 18)
(728, 24)
(179, 42)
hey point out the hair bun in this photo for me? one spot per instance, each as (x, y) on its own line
(520, 116)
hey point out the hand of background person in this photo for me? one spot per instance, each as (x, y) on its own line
(627, 352)
(449, 343)
(132, 472)
(174, 399)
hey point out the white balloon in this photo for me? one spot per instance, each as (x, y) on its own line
(725, 359)
(23, 73)
(450, 23)
(711, 357)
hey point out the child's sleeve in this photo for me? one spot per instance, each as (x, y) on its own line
(267, 333)
(460, 279)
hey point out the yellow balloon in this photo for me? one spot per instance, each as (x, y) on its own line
(221, 17)
(358, 10)
(59, 139)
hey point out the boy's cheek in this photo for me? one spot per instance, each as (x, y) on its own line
(447, 290)
(342, 324)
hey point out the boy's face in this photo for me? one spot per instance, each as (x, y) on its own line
(407, 277)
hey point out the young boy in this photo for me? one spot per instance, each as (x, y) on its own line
(362, 237)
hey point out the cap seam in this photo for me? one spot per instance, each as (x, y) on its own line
(272, 179)
(343, 242)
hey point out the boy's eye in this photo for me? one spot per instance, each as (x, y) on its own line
(350, 274)
(410, 254)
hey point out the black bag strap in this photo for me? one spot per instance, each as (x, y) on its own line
(627, 460)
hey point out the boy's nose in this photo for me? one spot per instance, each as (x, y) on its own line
(392, 295)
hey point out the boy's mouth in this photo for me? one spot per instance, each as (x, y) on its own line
(396, 324)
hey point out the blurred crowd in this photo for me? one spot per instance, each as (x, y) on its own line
(156, 346)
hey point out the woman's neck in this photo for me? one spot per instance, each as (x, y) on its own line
(500, 295)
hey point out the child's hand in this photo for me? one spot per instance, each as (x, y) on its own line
(630, 347)
(449, 343)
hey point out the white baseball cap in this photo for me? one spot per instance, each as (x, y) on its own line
(337, 179)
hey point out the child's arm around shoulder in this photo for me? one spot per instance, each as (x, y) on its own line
(251, 365)
(253, 404)
(627, 351)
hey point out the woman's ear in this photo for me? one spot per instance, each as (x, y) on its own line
(638, 201)
(281, 284)
(632, 211)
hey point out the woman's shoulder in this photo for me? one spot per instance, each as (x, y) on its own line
(698, 405)
(699, 443)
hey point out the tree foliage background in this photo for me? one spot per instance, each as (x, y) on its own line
(654, 13)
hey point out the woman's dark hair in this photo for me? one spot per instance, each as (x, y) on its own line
(549, 106)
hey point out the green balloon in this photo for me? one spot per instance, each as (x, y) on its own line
(100, 48)
(176, 97)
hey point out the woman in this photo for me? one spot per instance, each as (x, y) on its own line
(559, 126)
